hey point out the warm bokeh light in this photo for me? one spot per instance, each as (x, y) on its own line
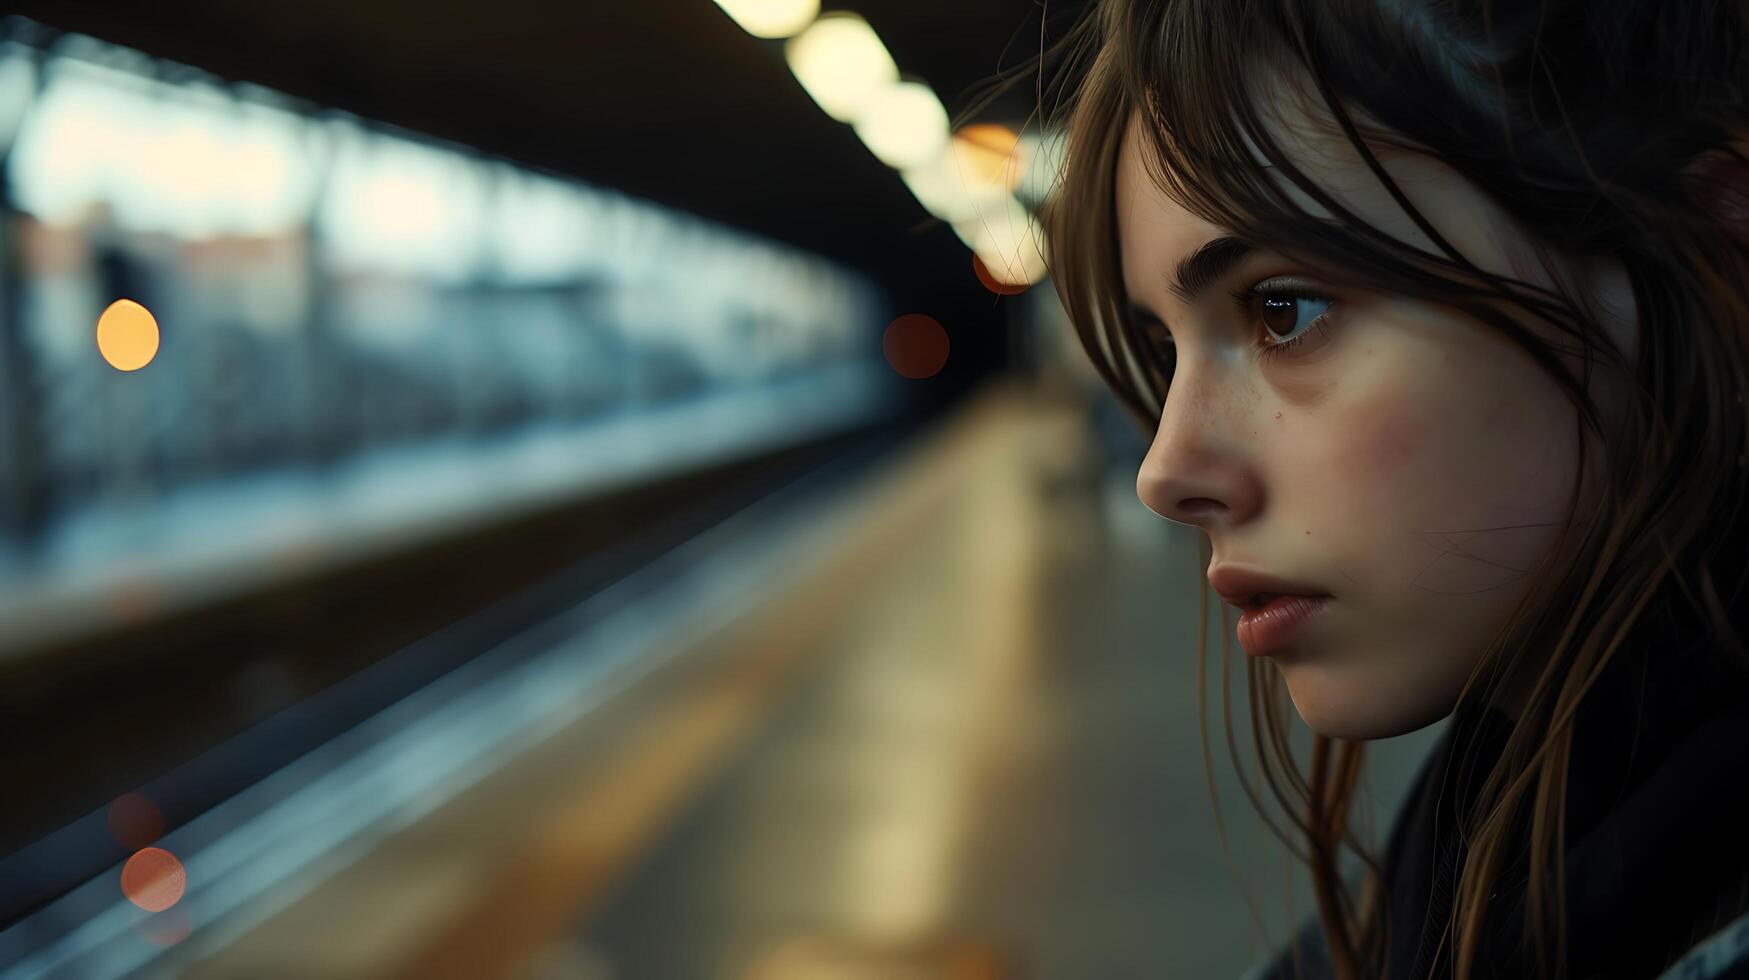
(940, 191)
(771, 18)
(915, 345)
(973, 175)
(841, 62)
(135, 821)
(903, 125)
(153, 879)
(1009, 241)
(988, 155)
(994, 284)
(127, 335)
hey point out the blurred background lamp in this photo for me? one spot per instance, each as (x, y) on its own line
(127, 335)
(974, 173)
(840, 61)
(1009, 241)
(904, 125)
(941, 187)
(771, 18)
(989, 155)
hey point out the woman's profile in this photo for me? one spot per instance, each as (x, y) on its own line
(1437, 312)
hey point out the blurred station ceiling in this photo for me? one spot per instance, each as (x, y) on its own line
(665, 99)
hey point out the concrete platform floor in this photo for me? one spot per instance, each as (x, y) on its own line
(968, 749)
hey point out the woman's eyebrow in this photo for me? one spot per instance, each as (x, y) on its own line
(1197, 272)
(1204, 267)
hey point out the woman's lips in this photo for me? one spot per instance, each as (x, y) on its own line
(1267, 629)
(1239, 585)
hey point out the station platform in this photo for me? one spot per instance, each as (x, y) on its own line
(958, 737)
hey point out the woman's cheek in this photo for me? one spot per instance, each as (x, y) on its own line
(1376, 475)
(1378, 441)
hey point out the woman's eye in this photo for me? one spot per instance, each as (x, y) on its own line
(1287, 311)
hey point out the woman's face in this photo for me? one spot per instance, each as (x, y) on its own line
(1409, 461)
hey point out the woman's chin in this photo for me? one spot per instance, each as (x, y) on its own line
(1357, 716)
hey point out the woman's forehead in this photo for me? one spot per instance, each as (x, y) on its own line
(1156, 229)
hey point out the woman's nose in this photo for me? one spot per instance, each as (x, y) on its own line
(1196, 470)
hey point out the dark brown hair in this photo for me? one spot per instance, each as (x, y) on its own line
(1615, 129)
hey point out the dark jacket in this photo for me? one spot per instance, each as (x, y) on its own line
(1657, 843)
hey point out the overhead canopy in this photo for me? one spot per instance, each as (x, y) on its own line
(665, 99)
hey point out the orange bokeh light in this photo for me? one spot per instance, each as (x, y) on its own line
(153, 879)
(994, 284)
(915, 345)
(989, 155)
(135, 821)
(127, 335)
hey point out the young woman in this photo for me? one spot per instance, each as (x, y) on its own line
(1438, 313)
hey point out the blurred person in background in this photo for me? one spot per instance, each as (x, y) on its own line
(1436, 313)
